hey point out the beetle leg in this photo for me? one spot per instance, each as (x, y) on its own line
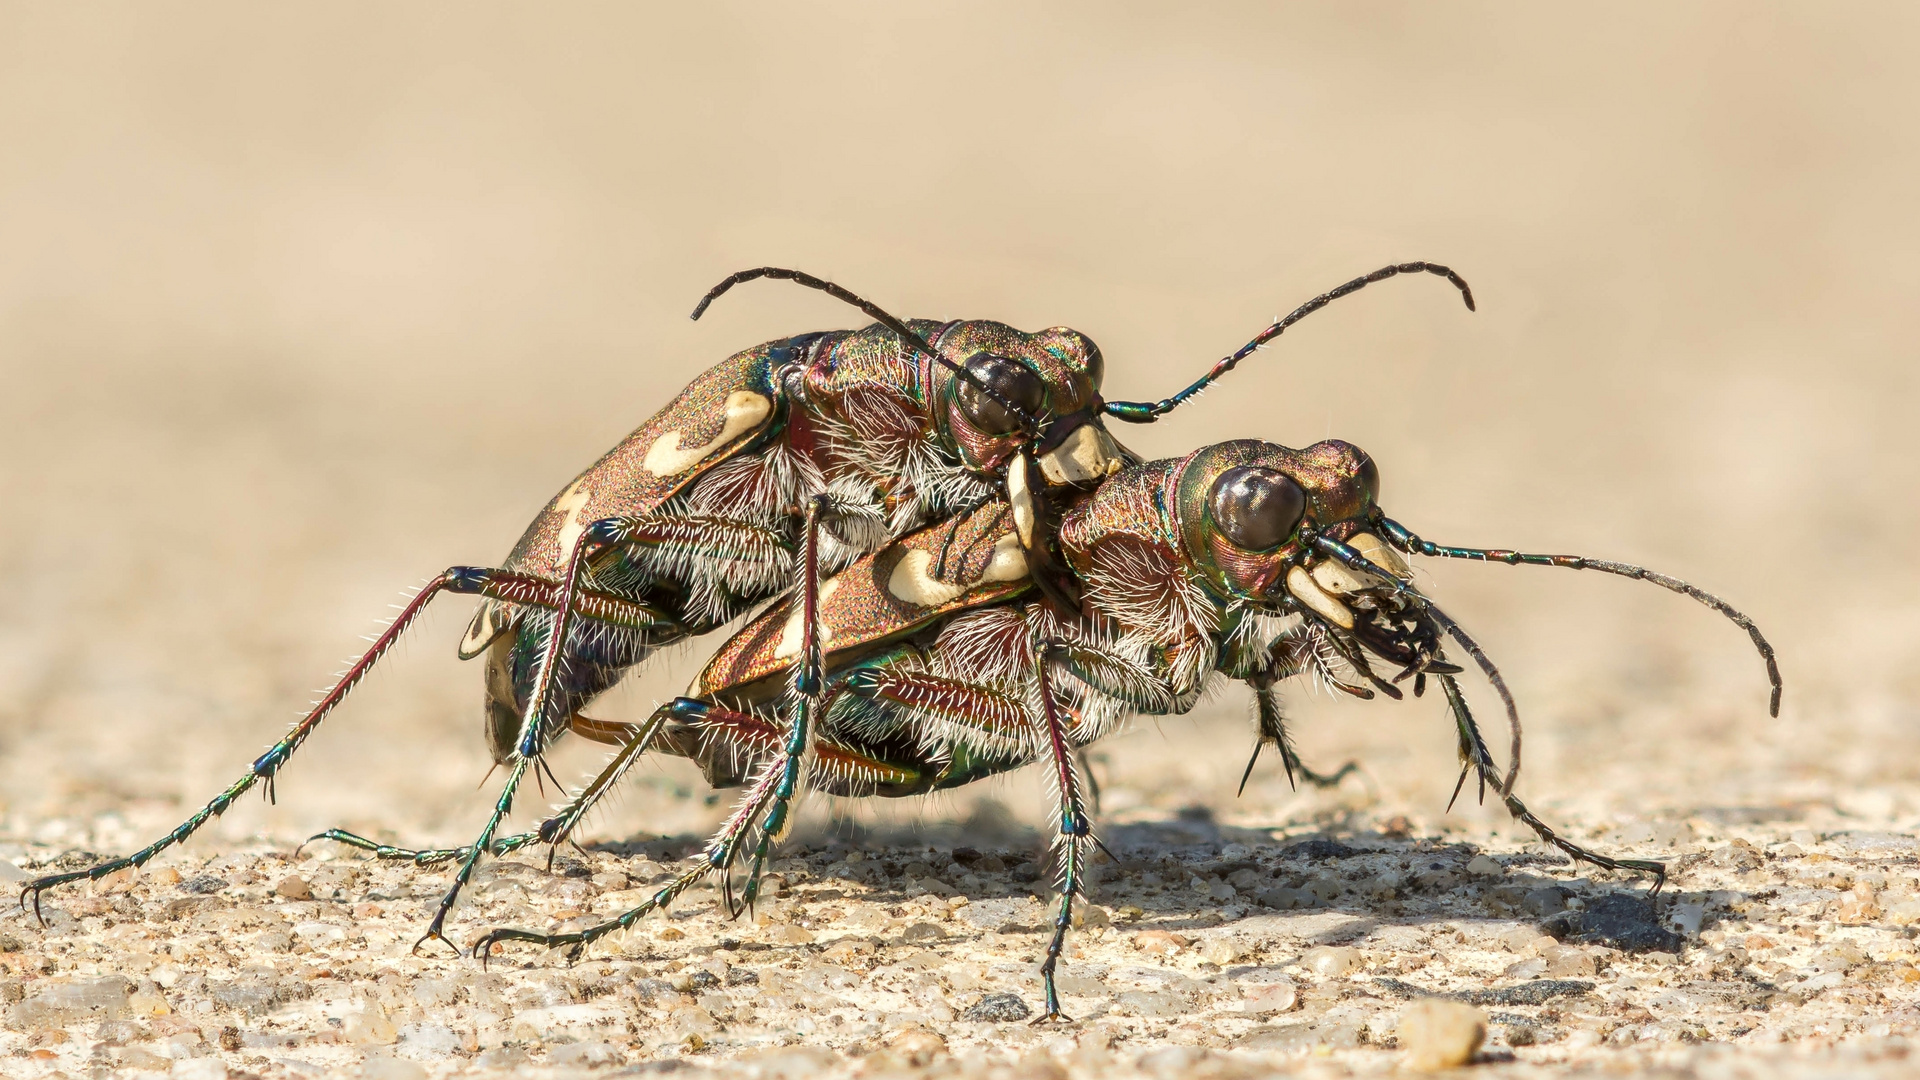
(629, 533)
(718, 856)
(1474, 749)
(803, 696)
(1085, 765)
(534, 730)
(633, 740)
(455, 579)
(1074, 828)
(1273, 729)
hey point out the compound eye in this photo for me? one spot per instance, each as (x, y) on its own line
(1255, 508)
(1096, 365)
(1013, 381)
(1369, 477)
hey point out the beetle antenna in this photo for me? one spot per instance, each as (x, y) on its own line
(1146, 412)
(874, 311)
(1402, 538)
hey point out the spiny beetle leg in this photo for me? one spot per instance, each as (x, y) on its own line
(1473, 745)
(1093, 782)
(422, 856)
(1273, 729)
(717, 857)
(556, 829)
(1074, 829)
(600, 536)
(269, 763)
(803, 698)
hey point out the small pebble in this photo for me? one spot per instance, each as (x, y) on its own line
(1439, 1034)
(1160, 942)
(1484, 866)
(1277, 996)
(590, 1054)
(1222, 950)
(203, 884)
(370, 1027)
(998, 1009)
(917, 1045)
(1567, 962)
(294, 887)
(1331, 961)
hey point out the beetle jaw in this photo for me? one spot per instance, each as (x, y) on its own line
(1324, 586)
(1295, 578)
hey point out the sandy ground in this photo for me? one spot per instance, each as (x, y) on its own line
(297, 309)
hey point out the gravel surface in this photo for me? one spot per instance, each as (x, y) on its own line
(1212, 949)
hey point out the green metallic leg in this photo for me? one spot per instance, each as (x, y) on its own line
(1476, 758)
(803, 695)
(554, 830)
(533, 729)
(1273, 729)
(456, 579)
(1075, 830)
(717, 858)
(423, 856)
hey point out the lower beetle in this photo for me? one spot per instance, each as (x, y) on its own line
(931, 664)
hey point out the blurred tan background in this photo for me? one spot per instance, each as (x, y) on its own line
(299, 307)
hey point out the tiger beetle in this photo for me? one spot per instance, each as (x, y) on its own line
(1243, 561)
(776, 469)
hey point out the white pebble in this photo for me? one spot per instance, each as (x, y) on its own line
(1440, 1034)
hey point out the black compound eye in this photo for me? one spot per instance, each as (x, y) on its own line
(1256, 508)
(1014, 382)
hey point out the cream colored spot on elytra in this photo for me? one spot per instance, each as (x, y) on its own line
(666, 457)
(489, 622)
(789, 646)
(911, 582)
(571, 502)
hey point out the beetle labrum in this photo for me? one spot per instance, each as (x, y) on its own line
(774, 469)
(1246, 561)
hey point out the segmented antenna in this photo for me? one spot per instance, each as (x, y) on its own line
(1146, 412)
(1405, 540)
(1028, 424)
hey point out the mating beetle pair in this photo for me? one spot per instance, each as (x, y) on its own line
(968, 574)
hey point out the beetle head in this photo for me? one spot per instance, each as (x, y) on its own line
(1052, 381)
(1247, 510)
